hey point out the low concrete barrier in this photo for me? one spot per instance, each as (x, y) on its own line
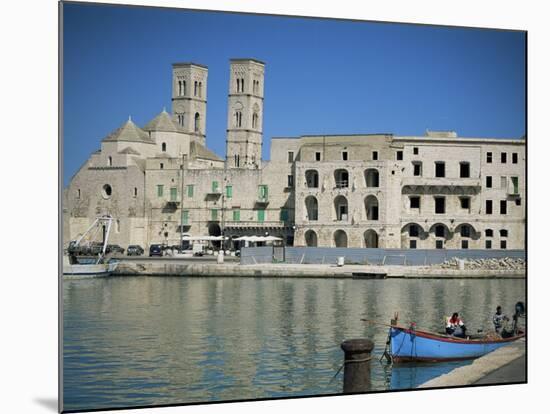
(414, 257)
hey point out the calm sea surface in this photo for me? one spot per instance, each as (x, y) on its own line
(131, 341)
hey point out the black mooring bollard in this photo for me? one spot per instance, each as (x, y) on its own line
(357, 356)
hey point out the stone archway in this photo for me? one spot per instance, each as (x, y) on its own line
(311, 238)
(340, 238)
(215, 230)
(371, 239)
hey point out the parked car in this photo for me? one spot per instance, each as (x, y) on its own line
(114, 248)
(134, 250)
(155, 250)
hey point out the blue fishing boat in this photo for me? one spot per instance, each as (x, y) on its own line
(409, 344)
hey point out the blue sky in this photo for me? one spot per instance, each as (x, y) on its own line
(322, 76)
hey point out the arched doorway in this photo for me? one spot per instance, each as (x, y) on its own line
(312, 208)
(372, 177)
(311, 238)
(371, 207)
(215, 230)
(340, 238)
(371, 239)
(341, 208)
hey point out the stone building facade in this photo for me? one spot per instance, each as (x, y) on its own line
(373, 190)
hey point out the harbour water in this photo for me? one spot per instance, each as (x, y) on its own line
(135, 341)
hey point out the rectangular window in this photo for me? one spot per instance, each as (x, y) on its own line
(488, 206)
(465, 202)
(439, 205)
(185, 217)
(214, 214)
(173, 194)
(518, 201)
(399, 155)
(214, 186)
(489, 181)
(344, 155)
(515, 185)
(464, 170)
(439, 231)
(413, 230)
(375, 155)
(317, 156)
(229, 191)
(489, 233)
(415, 150)
(503, 244)
(439, 244)
(290, 181)
(465, 231)
(190, 190)
(440, 169)
(415, 202)
(290, 156)
(464, 244)
(514, 158)
(503, 233)
(262, 192)
(161, 166)
(489, 157)
(284, 214)
(417, 169)
(503, 206)
(261, 216)
(503, 156)
(503, 182)
(236, 215)
(488, 244)
(160, 190)
(412, 244)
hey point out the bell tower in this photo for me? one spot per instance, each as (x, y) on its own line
(189, 82)
(245, 114)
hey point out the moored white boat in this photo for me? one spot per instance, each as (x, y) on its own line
(99, 266)
(87, 269)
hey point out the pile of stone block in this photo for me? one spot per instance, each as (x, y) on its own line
(505, 263)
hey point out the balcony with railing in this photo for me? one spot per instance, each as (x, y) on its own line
(441, 182)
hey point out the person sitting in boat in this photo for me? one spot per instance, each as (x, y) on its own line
(498, 320)
(455, 326)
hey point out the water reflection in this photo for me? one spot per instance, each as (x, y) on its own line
(147, 341)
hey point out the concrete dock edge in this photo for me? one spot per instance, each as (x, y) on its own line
(483, 370)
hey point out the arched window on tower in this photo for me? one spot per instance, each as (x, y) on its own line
(238, 85)
(238, 118)
(197, 122)
(180, 88)
(110, 161)
(163, 147)
(255, 120)
(200, 89)
(196, 87)
(242, 85)
(184, 92)
(181, 119)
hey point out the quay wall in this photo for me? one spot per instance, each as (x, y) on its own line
(403, 257)
(174, 268)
